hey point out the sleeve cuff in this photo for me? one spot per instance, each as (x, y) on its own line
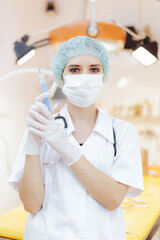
(14, 184)
(135, 188)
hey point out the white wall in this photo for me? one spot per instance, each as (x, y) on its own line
(17, 93)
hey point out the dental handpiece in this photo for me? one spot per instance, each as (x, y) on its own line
(44, 88)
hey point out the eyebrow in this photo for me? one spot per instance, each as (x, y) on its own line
(93, 65)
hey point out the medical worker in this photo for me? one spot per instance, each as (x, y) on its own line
(72, 181)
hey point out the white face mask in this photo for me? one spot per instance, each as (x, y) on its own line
(82, 89)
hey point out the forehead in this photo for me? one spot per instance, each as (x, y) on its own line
(83, 60)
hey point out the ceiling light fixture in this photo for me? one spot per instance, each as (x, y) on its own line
(25, 52)
(144, 50)
(144, 56)
(113, 35)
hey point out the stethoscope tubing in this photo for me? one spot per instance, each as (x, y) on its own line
(64, 120)
(65, 128)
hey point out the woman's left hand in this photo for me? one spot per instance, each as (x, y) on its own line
(44, 125)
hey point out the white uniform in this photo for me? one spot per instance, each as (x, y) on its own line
(69, 212)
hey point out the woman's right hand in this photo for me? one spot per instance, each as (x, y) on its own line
(33, 142)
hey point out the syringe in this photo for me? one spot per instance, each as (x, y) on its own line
(44, 88)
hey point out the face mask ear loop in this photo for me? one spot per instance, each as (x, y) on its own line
(103, 78)
(61, 81)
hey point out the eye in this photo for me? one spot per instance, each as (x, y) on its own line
(95, 69)
(74, 70)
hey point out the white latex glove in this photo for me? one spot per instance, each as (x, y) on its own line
(32, 144)
(46, 127)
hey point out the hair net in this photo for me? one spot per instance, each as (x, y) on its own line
(81, 45)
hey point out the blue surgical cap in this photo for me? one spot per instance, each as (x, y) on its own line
(81, 45)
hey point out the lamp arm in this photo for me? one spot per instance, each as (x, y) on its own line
(93, 20)
(41, 43)
(135, 35)
(92, 30)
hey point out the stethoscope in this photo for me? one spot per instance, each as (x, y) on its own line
(65, 132)
(64, 122)
(65, 128)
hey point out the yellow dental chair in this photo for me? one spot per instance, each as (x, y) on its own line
(141, 215)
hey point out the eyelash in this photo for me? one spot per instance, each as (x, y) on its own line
(78, 69)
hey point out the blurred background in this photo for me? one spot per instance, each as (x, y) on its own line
(132, 92)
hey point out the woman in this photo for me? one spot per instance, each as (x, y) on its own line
(72, 182)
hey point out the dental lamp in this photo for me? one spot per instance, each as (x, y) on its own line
(106, 32)
(144, 50)
(24, 52)
(114, 37)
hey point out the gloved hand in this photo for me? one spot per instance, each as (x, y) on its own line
(45, 126)
(32, 144)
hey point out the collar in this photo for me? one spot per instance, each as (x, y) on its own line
(103, 123)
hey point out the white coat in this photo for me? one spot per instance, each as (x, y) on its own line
(69, 212)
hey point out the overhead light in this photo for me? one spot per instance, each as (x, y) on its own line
(144, 56)
(25, 52)
(114, 37)
(144, 50)
(26, 57)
